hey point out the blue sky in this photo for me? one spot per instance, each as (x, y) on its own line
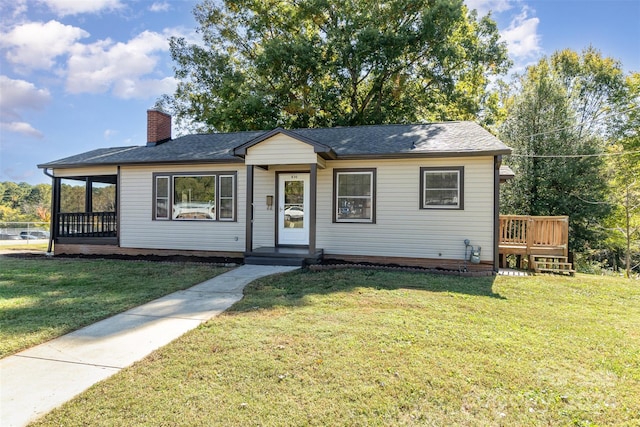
(76, 75)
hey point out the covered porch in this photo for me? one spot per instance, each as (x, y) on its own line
(84, 210)
(281, 198)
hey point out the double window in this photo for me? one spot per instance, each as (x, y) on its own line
(354, 195)
(442, 188)
(207, 196)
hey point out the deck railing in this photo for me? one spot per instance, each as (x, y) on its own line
(531, 233)
(87, 224)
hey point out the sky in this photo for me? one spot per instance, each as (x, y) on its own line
(76, 75)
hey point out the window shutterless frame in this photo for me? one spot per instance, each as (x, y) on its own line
(221, 200)
(354, 196)
(161, 198)
(442, 188)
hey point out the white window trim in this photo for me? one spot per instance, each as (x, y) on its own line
(232, 197)
(166, 198)
(459, 170)
(371, 196)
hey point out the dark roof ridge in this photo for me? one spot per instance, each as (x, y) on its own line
(386, 125)
(443, 122)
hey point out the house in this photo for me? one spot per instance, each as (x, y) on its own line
(391, 194)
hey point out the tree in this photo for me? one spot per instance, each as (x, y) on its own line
(268, 63)
(557, 131)
(23, 202)
(624, 173)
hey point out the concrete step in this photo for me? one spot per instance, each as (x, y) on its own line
(274, 260)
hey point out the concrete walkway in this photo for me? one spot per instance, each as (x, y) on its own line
(41, 378)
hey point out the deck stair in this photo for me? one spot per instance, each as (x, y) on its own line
(551, 264)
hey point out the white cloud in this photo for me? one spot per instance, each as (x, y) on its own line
(120, 67)
(21, 127)
(144, 88)
(36, 45)
(18, 95)
(109, 133)
(126, 69)
(75, 7)
(160, 7)
(485, 6)
(13, 8)
(522, 36)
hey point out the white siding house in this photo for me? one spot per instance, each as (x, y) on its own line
(394, 194)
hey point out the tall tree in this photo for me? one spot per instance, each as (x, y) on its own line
(624, 173)
(557, 131)
(291, 63)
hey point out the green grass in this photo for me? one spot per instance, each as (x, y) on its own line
(24, 245)
(374, 348)
(41, 299)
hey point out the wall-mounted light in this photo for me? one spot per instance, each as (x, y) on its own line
(269, 203)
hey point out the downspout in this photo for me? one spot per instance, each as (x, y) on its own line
(53, 213)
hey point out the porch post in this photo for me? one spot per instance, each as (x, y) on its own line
(249, 211)
(55, 210)
(117, 206)
(497, 161)
(312, 207)
(88, 194)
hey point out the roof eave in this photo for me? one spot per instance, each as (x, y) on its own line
(433, 154)
(138, 163)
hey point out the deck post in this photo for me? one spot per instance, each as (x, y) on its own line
(566, 236)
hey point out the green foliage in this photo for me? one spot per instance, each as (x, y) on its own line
(268, 63)
(624, 178)
(24, 202)
(73, 196)
(558, 110)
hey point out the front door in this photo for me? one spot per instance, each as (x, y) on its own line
(293, 195)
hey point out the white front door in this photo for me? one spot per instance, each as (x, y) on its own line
(293, 203)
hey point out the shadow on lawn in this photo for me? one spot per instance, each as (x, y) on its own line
(291, 288)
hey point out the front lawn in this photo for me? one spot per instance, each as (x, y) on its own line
(41, 299)
(374, 348)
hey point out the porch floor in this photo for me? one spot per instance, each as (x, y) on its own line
(278, 255)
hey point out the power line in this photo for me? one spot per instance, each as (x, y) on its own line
(611, 114)
(573, 156)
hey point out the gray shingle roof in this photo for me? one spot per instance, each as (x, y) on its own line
(435, 139)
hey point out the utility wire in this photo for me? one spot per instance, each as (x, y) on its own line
(573, 156)
(610, 114)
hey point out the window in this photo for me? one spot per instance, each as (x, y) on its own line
(194, 197)
(162, 197)
(442, 188)
(184, 197)
(354, 199)
(227, 197)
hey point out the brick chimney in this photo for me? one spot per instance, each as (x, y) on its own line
(158, 127)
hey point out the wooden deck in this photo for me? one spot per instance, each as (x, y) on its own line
(542, 240)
